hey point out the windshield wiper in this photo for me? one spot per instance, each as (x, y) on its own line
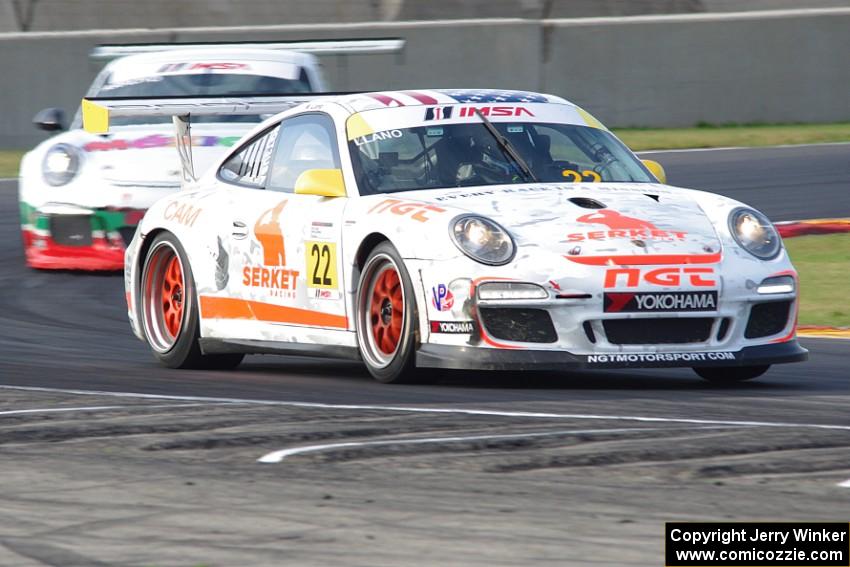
(506, 146)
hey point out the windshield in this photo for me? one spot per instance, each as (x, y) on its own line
(458, 155)
(200, 84)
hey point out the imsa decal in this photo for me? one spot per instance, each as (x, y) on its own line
(658, 302)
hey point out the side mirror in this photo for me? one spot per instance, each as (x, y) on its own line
(50, 119)
(655, 168)
(321, 182)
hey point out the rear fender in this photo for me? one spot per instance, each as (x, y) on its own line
(195, 219)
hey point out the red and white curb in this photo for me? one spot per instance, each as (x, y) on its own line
(789, 229)
(823, 332)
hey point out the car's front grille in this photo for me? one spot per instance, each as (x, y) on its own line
(71, 230)
(767, 319)
(518, 324)
(660, 331)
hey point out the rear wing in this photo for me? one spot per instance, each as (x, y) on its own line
(98, 112)
(108, 52)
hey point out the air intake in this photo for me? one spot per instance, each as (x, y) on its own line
(586, 203)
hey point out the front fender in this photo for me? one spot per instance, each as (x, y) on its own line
(419, 230)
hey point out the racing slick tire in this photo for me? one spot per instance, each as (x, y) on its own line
(730, 375)
(169, 309)
(387, 317)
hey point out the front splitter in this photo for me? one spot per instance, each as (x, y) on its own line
(456, 357)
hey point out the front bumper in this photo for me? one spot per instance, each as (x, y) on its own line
(469, 358)
(576, 327)
(67, 237)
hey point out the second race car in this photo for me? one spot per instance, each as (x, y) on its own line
(82, 195)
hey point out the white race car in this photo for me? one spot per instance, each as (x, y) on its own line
(454, 229)
(82, 195)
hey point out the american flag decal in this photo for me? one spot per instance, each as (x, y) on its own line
(489, 95)
(438, 112)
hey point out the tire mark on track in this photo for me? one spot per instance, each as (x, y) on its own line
(97, 408)
(442, 410)
(49, 554)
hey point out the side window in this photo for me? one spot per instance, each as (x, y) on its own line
(250, 165)
(306, 142)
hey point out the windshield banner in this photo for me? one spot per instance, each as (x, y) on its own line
(370, 123)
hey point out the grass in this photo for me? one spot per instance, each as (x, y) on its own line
(823, 263)
(707, 136)
(9, 162)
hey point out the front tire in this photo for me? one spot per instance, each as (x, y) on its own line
(730, 375)
(387, 317)
(169, 309)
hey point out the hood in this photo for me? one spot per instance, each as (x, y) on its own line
(145, 155)
(598, 220)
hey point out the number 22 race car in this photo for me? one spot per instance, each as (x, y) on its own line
(448, 228)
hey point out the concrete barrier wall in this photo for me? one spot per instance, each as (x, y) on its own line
(643, 71)
(67, 15)
(682, 70)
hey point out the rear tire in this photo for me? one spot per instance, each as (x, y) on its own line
(731, 374)
(169, 309)
(387, 317)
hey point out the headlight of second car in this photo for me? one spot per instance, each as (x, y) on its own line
(483, 240)
(61, 164)
(754, 233)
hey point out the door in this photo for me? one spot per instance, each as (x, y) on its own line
(285, 249)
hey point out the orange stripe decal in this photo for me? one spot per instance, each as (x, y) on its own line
(649, 260)
(232, 308)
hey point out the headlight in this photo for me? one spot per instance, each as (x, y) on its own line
(754, 233)
(483, 240)
(61, 163)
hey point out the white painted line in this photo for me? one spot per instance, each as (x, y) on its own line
(278, 456)
(845, 484)
(452, 410)
(98, 408)
(727, 148)
(61, 410)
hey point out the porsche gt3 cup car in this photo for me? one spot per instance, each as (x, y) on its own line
(455, 229)
(81, 195)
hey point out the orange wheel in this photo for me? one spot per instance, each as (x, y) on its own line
(387, 310)
(386, 316)
(164, 301)
(172, 297)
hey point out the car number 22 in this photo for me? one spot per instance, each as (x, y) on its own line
(321, 265)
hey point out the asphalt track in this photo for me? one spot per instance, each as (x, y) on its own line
(479, 468)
